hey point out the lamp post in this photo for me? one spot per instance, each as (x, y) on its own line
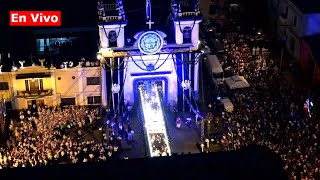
(115, 89)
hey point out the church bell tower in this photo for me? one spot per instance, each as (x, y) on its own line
(186, 18)
(112, 21)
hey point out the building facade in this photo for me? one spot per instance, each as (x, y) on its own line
(295, 20)
(25, 86)
(150, 56)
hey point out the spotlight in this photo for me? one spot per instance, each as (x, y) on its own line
(99, 56)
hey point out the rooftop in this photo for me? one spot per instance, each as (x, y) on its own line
(249, 163)
(308, 6)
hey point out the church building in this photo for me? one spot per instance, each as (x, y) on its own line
(150, 54)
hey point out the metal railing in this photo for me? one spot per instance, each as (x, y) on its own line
(34, 93)
(188, 14)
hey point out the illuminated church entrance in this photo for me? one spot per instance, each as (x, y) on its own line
(147, 83)
(153, 117)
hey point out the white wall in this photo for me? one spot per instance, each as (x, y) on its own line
(195, 31)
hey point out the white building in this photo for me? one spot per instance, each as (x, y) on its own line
(24, 86)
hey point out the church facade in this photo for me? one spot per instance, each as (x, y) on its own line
(150, 56)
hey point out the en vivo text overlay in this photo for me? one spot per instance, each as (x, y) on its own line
(35, 18)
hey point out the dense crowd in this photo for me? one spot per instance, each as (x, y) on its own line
(54, 136)
(271, 112)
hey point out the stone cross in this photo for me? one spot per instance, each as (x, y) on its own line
(21, 63)
(80, 64)
(65, 65)
(42, 62)
(150, 23)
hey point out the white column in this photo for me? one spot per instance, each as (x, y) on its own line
(183, 98)
(103, 37)
(178, 33)
(195, 35)
(80, 80)
(196, 74)
(14, 85)
(190, 90)
(121, 38)
(53, 87)
(104, 94)
(112, 94)
(119, 93)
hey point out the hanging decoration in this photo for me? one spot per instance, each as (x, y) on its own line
(115, 88)
(186, 84)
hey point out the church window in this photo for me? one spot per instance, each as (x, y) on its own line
(187, 32)
(112, 37)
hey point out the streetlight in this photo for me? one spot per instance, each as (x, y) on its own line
(186, 84)
(99, 56)
(115, 89)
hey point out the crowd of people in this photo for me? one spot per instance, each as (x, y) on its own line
(55, 135)
(271, 112)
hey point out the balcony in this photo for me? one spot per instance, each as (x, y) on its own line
(34, 93)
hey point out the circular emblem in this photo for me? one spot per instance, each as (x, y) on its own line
(150, 42)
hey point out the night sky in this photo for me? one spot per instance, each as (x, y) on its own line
(74, 14)
(20, 39)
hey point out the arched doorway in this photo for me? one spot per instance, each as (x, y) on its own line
(162, 83)
(187, 34)
(112, 37)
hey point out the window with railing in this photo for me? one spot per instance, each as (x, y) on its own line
(34, 84)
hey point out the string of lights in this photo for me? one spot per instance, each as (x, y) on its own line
(145, 69)
(153, 64)
(192, 63)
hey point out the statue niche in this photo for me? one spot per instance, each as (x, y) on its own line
(187, 33)
(112, 37)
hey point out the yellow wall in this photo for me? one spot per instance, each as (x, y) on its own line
(6, 77)
(90, 72)
(67, 86)
(20, 85)
(47, 83)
